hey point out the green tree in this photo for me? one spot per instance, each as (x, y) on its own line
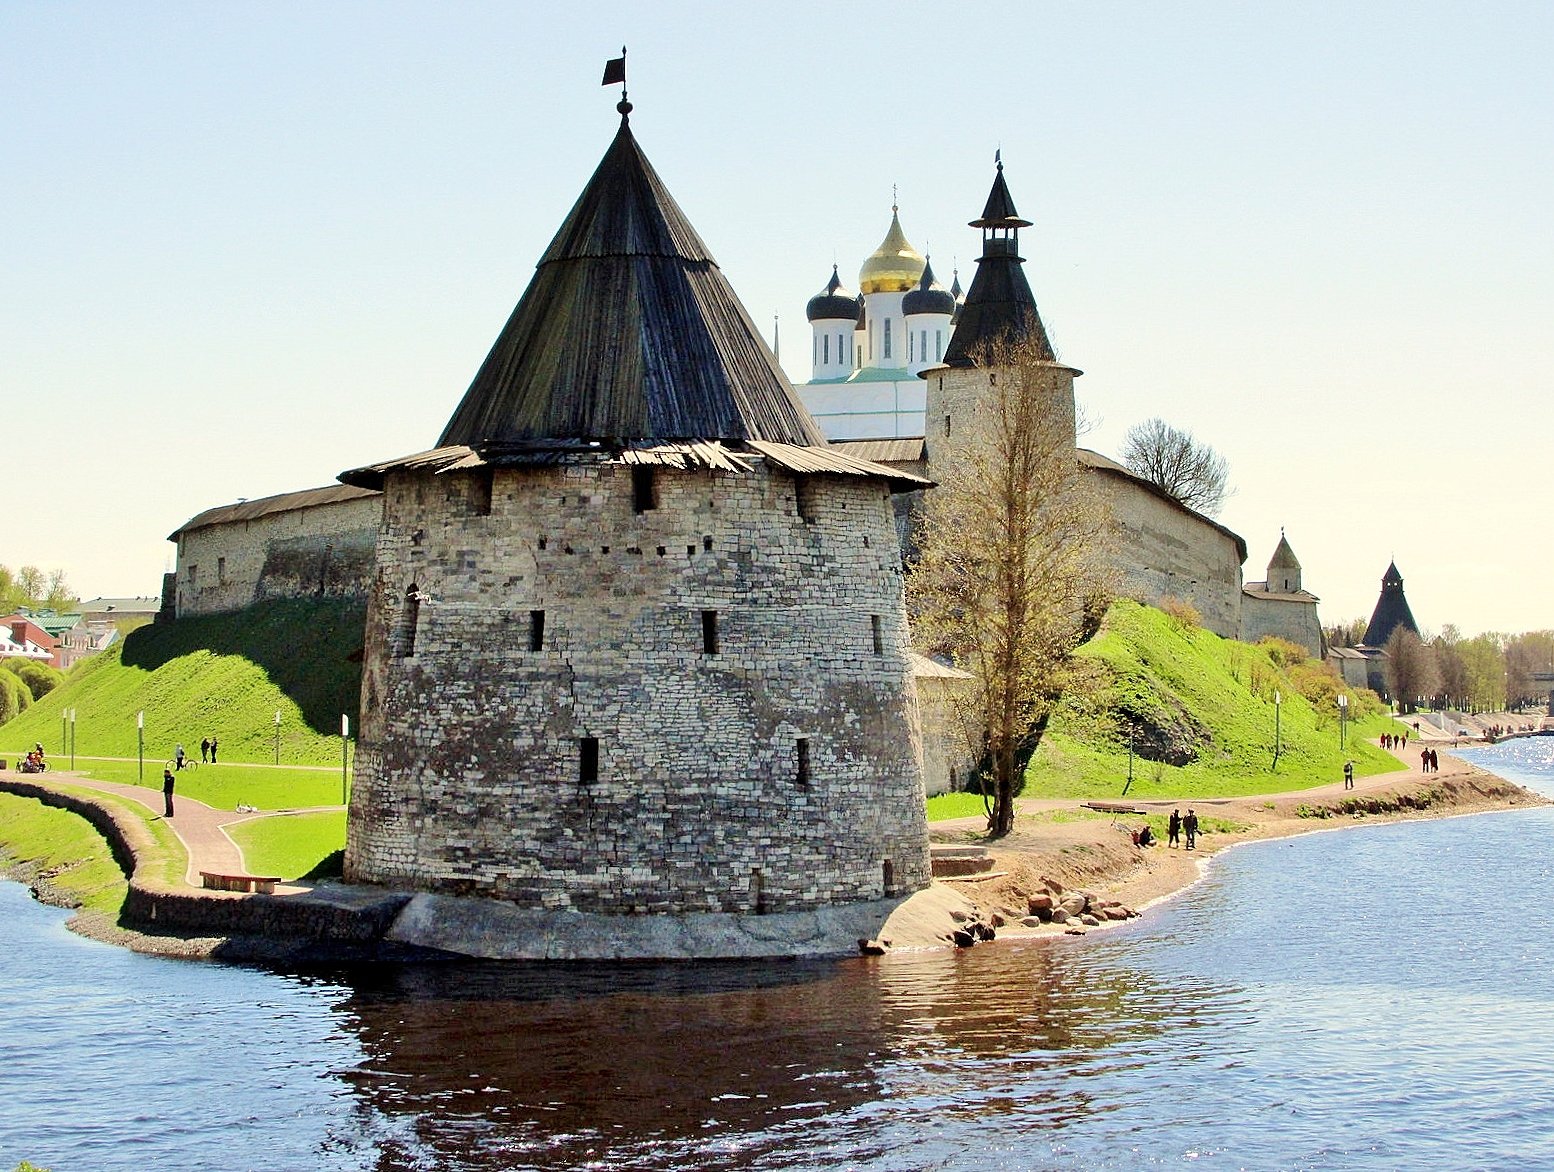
(14, 696)
(1012, 571)
(40, 678)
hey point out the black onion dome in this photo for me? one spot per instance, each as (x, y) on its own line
(928, 297)
(833, 303)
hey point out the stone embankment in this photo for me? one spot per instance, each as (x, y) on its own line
(174, 919)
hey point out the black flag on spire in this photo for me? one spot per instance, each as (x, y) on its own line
(615, 69)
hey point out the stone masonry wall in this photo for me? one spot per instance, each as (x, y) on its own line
(777, 772)
(1291, 618)
(1165, 551)
(323, 549)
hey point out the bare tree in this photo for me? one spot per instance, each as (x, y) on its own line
(60, 596)
(1192, 472)
(1410, 669)
(1012, 571)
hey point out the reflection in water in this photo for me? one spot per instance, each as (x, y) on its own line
(732, 1065)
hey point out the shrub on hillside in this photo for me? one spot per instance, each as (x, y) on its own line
(1284, 653)
(40, 678)
(1183, 613)
(14, 697)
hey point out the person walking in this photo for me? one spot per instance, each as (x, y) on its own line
(204, 749)
(167, 793)
(213, 750)
(1190, 825)
(1174, 829)
(178, 756)
(1348, 774)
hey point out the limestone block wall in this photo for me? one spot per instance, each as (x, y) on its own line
(947, 761)
(1165, 550)
(702, 706)
(324, 549)
(954, 395)
(1292, 617)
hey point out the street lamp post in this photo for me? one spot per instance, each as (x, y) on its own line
(1343, 720)
(1277, 700)
(345, 751)
(140, 741)
(72, 740)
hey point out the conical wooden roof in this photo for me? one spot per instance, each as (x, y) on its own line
(1392, 611)
(999, 309)
(628, 331)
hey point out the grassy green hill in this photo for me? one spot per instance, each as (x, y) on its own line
(1200, 712)
(214, 675)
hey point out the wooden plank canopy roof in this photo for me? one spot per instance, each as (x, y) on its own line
(628, 332)
(710, 455)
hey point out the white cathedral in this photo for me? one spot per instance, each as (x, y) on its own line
(879, 361)
(869, 349)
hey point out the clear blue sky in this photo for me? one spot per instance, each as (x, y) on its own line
(247, 246)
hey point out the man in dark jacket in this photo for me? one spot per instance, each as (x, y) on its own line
(167, 792)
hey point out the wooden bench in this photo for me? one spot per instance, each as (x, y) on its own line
(263, 884)
(1112, 807)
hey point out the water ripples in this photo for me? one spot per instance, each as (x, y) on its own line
(1377, 998)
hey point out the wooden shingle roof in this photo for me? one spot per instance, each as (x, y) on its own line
(999, 309)
(628, 332)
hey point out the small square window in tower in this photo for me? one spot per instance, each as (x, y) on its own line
(709, 632)
(588, 759)
(802, 773)
(644, 489)
(536, 630)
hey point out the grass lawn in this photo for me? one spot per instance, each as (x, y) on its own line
(227, 786)
(291, 845)
(67, 846)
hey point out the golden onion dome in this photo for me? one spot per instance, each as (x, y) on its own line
(895, 266)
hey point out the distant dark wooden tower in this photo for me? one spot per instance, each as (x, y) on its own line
(1391, 611)
(637, 642)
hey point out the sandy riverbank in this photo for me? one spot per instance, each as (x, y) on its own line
(1096, 854)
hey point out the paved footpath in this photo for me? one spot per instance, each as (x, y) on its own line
(202, 829)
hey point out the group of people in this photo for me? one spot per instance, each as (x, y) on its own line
(1177, 826)
(1398, 741)
(1428, 761)
(208, 747)
(34, 762)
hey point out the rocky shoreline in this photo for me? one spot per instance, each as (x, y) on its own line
(1096, 859)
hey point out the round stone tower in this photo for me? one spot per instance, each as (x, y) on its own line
(637, 642)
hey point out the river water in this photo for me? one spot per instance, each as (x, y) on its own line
(1379, 998)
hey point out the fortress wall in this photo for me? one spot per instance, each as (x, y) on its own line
(1289, 618)
(470, 771)
(1165, 550)
(324, 549)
